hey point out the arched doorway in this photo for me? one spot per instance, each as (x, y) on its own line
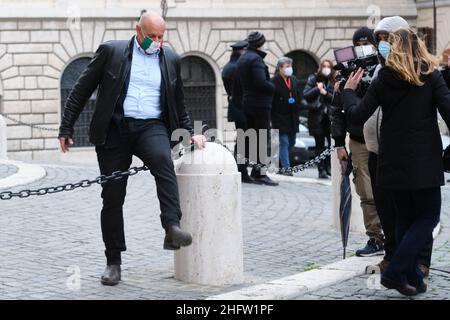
(199, 90)
(68, 80)
(304, 65)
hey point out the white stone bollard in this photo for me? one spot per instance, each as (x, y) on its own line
(210, 196)
(356, 220)
(3, 143)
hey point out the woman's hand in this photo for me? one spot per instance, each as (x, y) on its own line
(354, 79)
(322, 88)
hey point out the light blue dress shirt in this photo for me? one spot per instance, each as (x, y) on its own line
(144, 90)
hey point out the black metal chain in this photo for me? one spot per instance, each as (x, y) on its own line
(7, 195)
(28, 124)
(117, 175)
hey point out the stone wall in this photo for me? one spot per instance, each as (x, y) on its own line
(35, 51)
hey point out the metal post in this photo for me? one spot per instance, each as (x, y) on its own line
(434, 27)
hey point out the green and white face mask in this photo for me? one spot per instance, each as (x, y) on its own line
(150, 46)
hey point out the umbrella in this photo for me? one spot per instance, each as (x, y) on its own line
(345, 206)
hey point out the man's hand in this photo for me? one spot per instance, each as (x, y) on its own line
(199, 141)
(342, 154)
(354, 79)
(65, 143)
(337, 87)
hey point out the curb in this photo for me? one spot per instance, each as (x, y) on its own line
(302, 283)
(26, 174)
(277, 177)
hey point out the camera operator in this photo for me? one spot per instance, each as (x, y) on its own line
(410, 91)
(359, 156)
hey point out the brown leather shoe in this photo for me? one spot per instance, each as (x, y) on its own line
(176, 238)
(404, 289)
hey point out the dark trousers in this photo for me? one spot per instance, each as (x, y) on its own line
(148, 140)
(259, 119)
(387, 212)
(324, 165)
(418, 214)
(242, 168)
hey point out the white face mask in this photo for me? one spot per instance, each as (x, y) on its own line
(326, 71)
(264, 49)
(288, 71)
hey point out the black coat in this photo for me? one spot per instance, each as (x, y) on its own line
(410, 155)
(255, 80)
(285, 116)
(316, 115)
(232, 83)
(446, 74)
(109, 70)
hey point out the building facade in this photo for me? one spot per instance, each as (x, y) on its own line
(45, 44)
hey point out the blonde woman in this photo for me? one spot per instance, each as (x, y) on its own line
(410, 91)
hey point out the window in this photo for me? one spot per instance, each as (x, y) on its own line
(68, 80)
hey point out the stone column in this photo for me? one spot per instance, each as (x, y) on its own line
(210, 196)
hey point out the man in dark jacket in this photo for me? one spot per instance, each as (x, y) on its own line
(258, 93)
(234, 91)
(139, 104)
(360, 159)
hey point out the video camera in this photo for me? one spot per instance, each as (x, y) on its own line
(350, 59)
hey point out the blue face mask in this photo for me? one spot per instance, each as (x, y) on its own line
(384, 48)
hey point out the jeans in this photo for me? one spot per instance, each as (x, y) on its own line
(287, 142)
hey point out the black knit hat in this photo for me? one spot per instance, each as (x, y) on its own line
(364, 34)
(256, 40)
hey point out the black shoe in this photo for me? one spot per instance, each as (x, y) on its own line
(404, 289)
(247, 179)
(285, 173)
(176, 238)
(323, 175)
(372, 248)
(266, 180)
(111, 275)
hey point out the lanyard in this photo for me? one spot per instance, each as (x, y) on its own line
(289, 85)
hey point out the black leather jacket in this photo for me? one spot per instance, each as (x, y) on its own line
(109, 70)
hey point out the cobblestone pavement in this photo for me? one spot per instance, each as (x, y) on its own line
(45, 241)
(7, 170)
(368, 287)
